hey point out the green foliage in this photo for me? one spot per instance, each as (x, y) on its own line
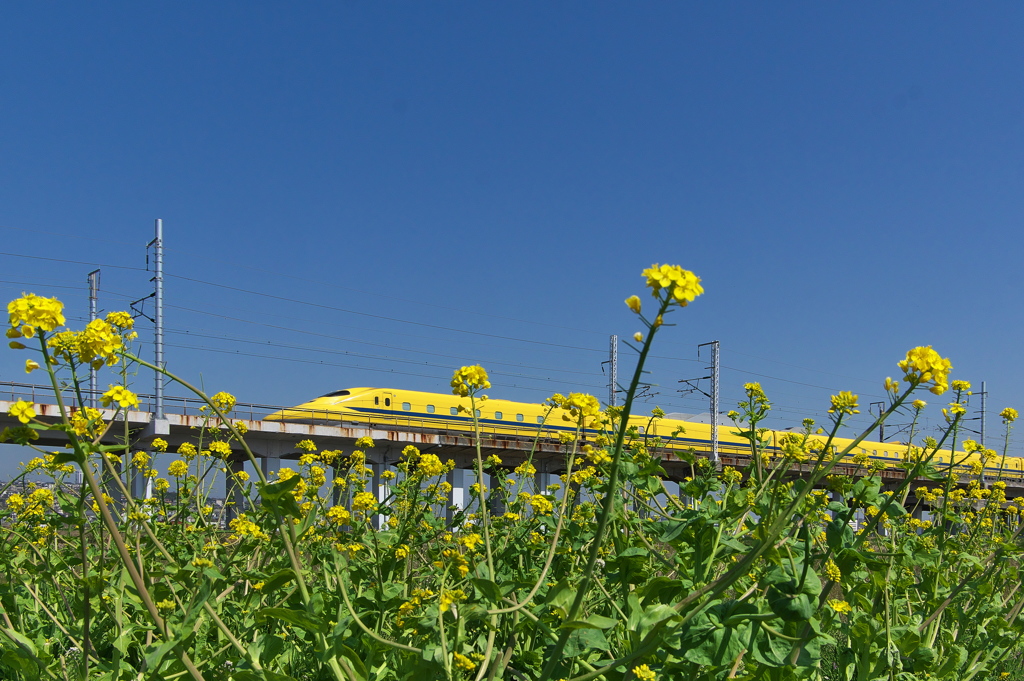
(781, 571)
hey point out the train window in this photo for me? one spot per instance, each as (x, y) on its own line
(387, 401)
(498, 415)
(478, 413)
(376, 399)
(430, 409)
(337, 393)
(540, 419)
(455, 410)
(519, 417)
(406, 406)
(641, 430)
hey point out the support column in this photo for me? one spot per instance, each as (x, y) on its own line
(270, 464)
(380, 489)
(457, 497)
(234, 499)
(495, 494)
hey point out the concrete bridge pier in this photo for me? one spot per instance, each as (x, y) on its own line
(234, 498)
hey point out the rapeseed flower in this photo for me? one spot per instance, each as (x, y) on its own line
(31, 312)
(1009, 415)
(633, 302)
(222, 449)
(118, 393)
(469, 379)
(682, 285)
(22, 411)
(364, 501)
(844, 403)
(840, 606)
(178, 468)
(924, 365)
(224, 401)
(644, 673)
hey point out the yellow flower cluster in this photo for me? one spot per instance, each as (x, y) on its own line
(457, 560)
(1009, 415)
(223, 401)
(732, 476)
(364, 501)
(463, 662)
(220, 448)
(123, 396)
(430, 466)
(644, 673)
(468, 380)
(31, 312)
(22, 411)
(338, 515)
(178, 468)
(471, 541)
(578, 405)
(682, 285)
(541, 504)
(243, 527)
(924, 365)
(840, 606)
(844, 403)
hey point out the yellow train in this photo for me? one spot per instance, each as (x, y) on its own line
(437, 412)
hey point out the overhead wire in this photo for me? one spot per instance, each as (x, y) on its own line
(319, 282)
(333, 308)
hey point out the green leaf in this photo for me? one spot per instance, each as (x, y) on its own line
(279, 579)
(561, 596)
(955, 659)
(491, 591)
(250, 675)
(656, 614)
(277, 497)
(582, 640)
(355, 662)
(155, 654)
(592, 622)
(299, 618)
(838, 535)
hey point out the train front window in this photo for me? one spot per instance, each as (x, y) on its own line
(337, 393)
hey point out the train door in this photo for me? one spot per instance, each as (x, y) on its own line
(383, 404)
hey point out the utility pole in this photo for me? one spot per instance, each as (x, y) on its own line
(984, 394)
(613, 369)
(158, 426)
(158, 318)
(881, 409)
(94, 289)
(714, 398)
(712, 395)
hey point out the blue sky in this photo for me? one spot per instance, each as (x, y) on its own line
(391, 190)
